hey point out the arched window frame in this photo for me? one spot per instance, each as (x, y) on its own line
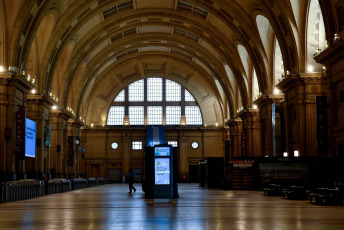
(184, 102)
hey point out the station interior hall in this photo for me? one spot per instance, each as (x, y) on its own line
(246, 97)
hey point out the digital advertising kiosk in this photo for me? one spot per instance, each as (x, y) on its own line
(160, 179)
(163, 173)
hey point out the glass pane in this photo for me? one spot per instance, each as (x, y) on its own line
(116, 115)
(193, 115)
(136, 115)
(137, 145)
(173, 91)
(154, 115)
(114, 145)
(136, 91)
(188, 96)
(121, 96)
(194, 145)
(154, 89)
(173, 114)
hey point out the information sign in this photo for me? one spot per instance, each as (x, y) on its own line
(162, 171)
(70, 151)
(30, 138)
(20, 135)
(162, 151)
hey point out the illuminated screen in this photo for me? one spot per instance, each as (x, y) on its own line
(162, 171)
(162, 151)
(30, 138)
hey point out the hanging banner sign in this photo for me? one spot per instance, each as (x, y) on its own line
(243, 144)
(242, 164)
(20, 135)
(70, 144)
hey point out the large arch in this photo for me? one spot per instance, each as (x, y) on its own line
(3, 35)
(115, 78)
(315, 35)
(206, 38)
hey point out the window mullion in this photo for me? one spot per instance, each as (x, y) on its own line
(164, 101)
(145, 100)
(126, 103)
(183, 102)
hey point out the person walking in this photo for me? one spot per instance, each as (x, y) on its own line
(131, 178)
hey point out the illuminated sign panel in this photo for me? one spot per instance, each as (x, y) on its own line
(162, 171)
(162, 151)
(30, 138)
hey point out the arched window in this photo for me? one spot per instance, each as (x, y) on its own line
(155, 101)
(315, 36)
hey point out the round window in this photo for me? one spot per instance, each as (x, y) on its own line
(194, 145)
(114, 145)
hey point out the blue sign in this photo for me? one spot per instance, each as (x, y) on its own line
(30, 138)
(155, 135)
(162, 171)
(162, 151)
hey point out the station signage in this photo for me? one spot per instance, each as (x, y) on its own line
(242, 163)
(162, 171)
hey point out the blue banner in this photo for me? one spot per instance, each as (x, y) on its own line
(155, 135)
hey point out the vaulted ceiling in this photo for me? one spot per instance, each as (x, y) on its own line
(85, 51)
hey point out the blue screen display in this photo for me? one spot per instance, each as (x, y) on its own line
(162, 151)
(30, 138)
(162, 171)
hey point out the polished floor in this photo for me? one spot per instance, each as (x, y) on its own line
(111, 207)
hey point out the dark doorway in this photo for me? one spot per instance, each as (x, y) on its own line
(193, 173)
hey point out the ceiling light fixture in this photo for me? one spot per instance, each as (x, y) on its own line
(310, 69)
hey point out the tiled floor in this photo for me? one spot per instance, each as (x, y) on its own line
(111, 207)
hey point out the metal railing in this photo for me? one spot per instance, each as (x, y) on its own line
(21, 189)
(58, 186)
(101, 181)
(91, 182)
(79, 183)
(29, 188)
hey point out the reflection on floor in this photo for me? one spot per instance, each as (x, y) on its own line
(111, 207)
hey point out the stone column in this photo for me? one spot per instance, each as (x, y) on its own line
(300, 92)
(58, 152)
(73, 130)
(13, 90)
(82, 159)
(127, 140)
(235, 126)
(183, 158)
(264, 104)
(332, 58)
(251, 129)
(39, 110)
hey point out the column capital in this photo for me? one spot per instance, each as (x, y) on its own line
(245, 113)
(300, 79)
(268, 99)
(75, 122)
(41, 99)
(234, 122)
(65, 114)
(19, 80)
(332, 54)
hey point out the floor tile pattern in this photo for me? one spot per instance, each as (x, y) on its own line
(111, 207)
